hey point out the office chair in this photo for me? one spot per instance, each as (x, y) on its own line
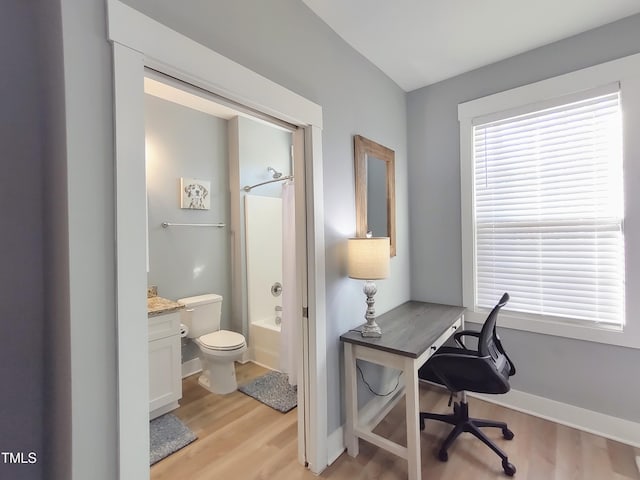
(485, 370)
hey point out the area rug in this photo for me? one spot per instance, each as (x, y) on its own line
(167, 435)
(273, 390)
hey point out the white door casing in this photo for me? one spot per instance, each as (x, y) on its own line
(140, 42)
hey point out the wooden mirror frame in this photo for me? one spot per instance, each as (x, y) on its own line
(364, 148)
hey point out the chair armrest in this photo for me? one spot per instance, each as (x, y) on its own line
(462, 333)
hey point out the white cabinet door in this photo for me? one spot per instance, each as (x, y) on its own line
(165, 384)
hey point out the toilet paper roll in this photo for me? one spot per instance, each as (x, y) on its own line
(184, 330)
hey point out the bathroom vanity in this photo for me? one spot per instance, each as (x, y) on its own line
(165, 364)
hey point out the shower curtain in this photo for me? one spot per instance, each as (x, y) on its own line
(290, 325)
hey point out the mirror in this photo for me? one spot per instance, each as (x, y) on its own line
(375, 190)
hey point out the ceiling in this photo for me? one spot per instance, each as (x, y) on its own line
(182, 94)
(420, 42)
(182, 97)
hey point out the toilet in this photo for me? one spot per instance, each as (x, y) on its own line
(218, 349)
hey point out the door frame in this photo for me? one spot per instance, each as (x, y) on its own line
(138, 42)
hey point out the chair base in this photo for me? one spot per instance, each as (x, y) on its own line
(462, 423)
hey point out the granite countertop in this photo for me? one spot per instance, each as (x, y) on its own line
(158, 305)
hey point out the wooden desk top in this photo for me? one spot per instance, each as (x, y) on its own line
(409, 329)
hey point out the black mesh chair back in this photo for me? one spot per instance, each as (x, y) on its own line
(489, 344)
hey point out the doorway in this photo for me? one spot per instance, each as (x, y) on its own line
(244, 169)
(232, 245)
(140, 42)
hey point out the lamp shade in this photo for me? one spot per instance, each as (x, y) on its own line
(368, 258)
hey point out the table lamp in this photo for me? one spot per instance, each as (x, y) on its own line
(369, 260)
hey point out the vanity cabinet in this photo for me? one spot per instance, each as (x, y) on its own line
(165, 365)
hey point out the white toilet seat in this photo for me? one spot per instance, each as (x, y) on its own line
(222, 341)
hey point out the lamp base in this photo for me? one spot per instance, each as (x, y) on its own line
(371, 330)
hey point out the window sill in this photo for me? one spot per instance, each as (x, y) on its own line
(624, 337)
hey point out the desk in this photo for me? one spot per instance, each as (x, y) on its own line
(411, 333)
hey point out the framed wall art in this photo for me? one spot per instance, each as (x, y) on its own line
(194, 194)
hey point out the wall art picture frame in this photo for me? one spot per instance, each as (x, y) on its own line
(195, 194)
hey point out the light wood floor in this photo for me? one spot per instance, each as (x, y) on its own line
(240, 438)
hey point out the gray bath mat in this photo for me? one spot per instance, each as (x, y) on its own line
(273, 389)
(168, 435)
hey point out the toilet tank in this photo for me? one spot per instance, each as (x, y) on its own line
(201, 314)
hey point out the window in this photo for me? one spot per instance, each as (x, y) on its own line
(549, 213)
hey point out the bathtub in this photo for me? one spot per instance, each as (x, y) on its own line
(264, 342)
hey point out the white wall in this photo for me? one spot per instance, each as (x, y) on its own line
(263, 234)
(187, 261)
(590, 375)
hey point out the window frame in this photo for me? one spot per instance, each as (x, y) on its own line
(626, 73)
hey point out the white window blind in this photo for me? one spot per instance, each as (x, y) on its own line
(549, 209)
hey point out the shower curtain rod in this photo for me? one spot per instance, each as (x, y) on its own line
(247, 188)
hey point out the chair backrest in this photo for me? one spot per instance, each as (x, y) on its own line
(489, 343)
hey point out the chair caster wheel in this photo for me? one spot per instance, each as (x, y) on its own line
(507, 434)
(443, 455)
(508, 468)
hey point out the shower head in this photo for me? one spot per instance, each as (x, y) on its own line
(274, 172)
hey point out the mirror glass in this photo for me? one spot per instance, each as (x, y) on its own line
(375, 190)
(377, 197)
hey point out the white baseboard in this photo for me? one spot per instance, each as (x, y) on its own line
(191, 367)
(614, 428)
(335, 444)
(162, 410)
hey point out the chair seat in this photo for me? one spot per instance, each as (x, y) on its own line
(460, 369)
(427, 373)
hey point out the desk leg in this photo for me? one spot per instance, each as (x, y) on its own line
(351, 390)
(412, 412)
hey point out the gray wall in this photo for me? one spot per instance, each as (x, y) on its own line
(285, 42)
(261, 146)
(21, 242)
(187, 261)
(586, 374)
(57, 350)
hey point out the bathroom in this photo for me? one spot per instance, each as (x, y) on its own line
(231, 244)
